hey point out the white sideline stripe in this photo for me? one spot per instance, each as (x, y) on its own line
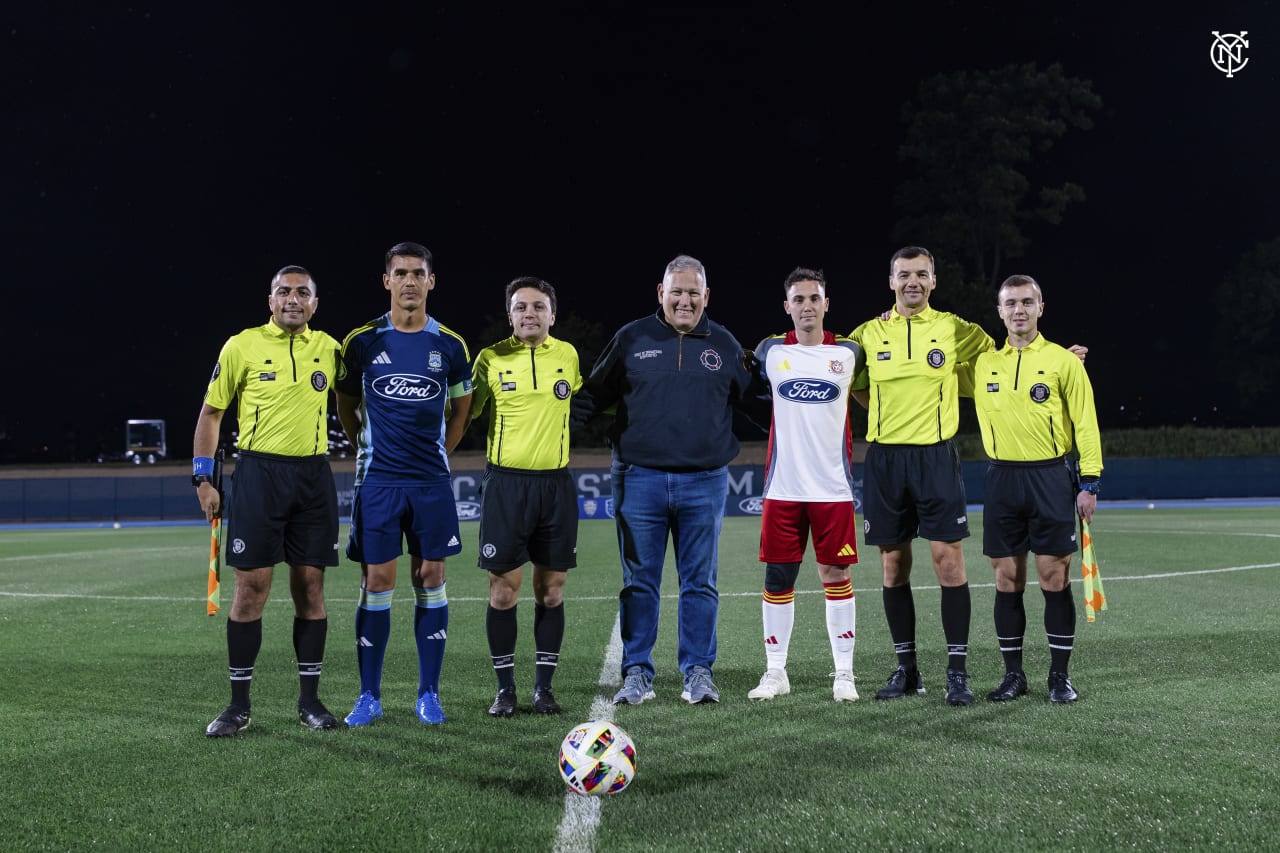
(69, 555)
(577, 830)
(607, 708)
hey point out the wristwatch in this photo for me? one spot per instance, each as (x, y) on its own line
(197, 479)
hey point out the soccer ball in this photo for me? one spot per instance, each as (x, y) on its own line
(597, 757)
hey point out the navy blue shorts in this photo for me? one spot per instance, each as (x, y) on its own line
(382, 517)
(913, 490)
(281, 509)
(528, 517)
(1030, 506)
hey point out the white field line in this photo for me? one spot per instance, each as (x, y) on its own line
(284, 599)
(577, 830)
(87, 554)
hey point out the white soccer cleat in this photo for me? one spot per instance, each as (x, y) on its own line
(774, 682)
(842, 688)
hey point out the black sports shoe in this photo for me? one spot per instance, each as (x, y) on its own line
(1060, 689)
(904, 680)
(544, 701)
(958, 692)
(1013, 685)
(504, 705)
(316, 716)
(230, 722)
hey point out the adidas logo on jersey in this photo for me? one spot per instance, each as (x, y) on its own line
(848, 551)
(453, 540)
(382, 358)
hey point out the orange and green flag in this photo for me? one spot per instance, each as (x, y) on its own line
(1094, 597)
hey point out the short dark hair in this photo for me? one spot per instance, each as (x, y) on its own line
(292, 269)
(1018, 281)
(906, 253)
(804, 274)
(534, 282)
(409, 250)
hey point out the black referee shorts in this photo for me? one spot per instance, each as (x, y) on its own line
(282, 509)
(913, 490)
(1030, 506)
(528, 517)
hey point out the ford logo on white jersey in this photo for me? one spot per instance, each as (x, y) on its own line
(406, 386)
(809, 391)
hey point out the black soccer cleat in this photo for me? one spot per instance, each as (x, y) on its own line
(504, 705)
(230, 722)
(1060, 689)
(544, 701)
(1013, 685)
(958, 692)
(903, 681)
(316, 716)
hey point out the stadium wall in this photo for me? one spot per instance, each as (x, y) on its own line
(164, 496)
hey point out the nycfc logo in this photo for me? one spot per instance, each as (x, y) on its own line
(467, 510)
(217, 369)
(488, 550)
(809, 391)
(434, 361)
(237, 546)
(406, 386)
(319, 381)
(711, 359)
(936, 358)
(561, 389)
(752, 506)
(1227, 51)
(1039, 392)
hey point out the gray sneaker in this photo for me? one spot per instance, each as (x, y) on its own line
(698, 686)
(637, 686)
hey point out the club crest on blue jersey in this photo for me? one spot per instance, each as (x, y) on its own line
(408, 387)
(1039, 392)
(561, 389)
(435, 361)
(319, 381)
(936, 358)
(711, 359)
(809, 391)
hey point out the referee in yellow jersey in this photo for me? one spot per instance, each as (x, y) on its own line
(1035, 404)
(283, 505)
(528, 504)
(912, 484)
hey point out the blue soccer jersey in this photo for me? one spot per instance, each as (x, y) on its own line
(403, 380)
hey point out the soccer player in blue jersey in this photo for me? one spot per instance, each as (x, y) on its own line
(404, 396)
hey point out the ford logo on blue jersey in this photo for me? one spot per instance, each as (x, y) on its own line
(406, 386)
(809, 391)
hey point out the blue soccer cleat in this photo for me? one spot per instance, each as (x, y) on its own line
(367, 710)
(429, 710)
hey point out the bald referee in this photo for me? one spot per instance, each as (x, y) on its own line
(283, 506)
(1035, 404)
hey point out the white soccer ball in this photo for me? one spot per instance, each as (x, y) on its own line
(597, 758)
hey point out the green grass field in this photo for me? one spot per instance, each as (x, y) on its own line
(111, 671)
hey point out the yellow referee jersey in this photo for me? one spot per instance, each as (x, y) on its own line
(911, 372)
(529, 388)
(1036, 403)
(283, 383)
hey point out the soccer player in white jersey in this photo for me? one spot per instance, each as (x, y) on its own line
(808, 481)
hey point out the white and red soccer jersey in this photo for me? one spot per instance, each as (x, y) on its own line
(810, 442)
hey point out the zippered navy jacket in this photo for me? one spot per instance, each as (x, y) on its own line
(673, 394)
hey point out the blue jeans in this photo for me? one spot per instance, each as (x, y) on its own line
(649, 505)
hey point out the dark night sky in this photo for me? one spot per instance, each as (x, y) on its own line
(160, 164)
